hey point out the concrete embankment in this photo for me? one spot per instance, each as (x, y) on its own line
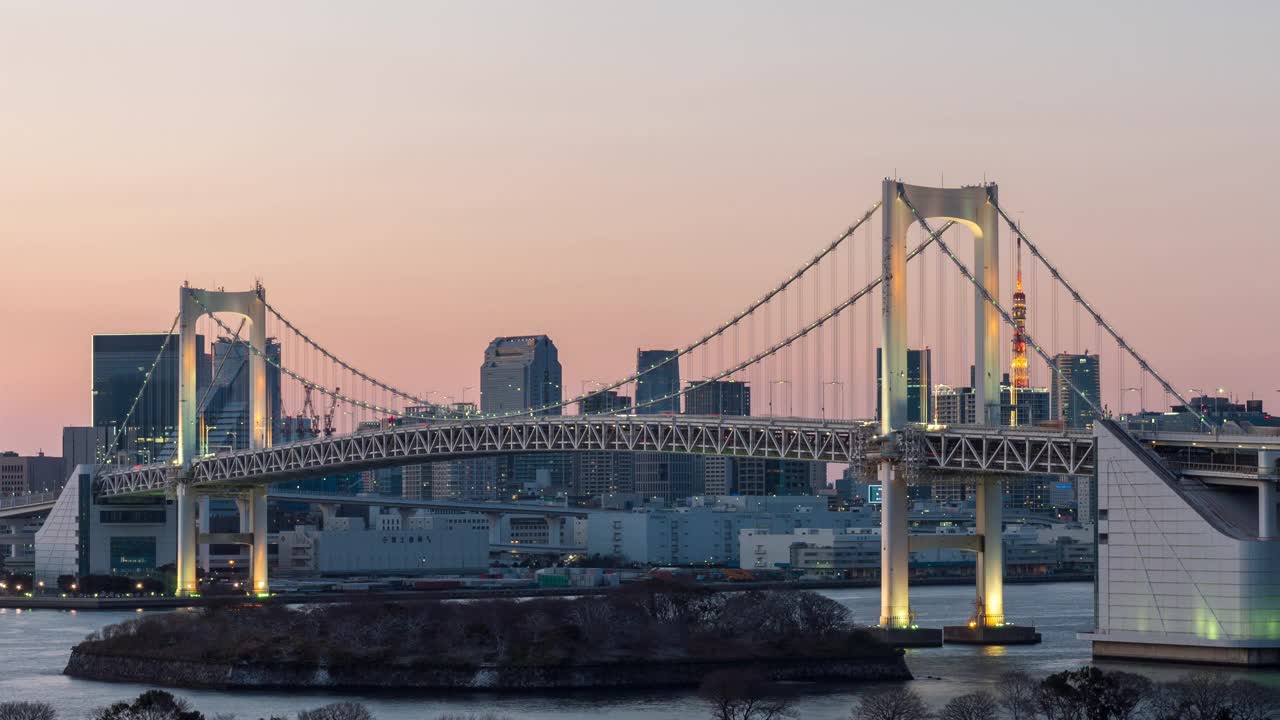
(363, 677)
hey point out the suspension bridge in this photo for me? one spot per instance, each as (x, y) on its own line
(845, 353)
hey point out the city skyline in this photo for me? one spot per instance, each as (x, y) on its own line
(706, 170)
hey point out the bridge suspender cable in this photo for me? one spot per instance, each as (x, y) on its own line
(364, 376)
(996, 304)
(717, 332)
(803, 331)
(146, 380)
(1098, 317)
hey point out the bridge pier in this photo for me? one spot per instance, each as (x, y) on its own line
(258, 552)
(895, 605)
(987, 625)
(989, 573)
(186, 551)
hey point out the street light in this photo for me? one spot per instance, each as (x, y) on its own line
(1125, 390)
(839, 397)
(778, 382)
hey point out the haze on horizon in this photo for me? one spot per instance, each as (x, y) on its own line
(410, 179)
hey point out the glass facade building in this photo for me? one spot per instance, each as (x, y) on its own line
(1084, 373)
(119, 370)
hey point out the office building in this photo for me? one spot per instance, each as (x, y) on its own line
(224, 405)
(83, 446)
(1082, 372)
(132, 536)
(608, 401)
(662, 475)
(520, 373)
(919, 385)
(657, 390)
(420, 544)
(955, 406)
(22, 474)
(470, 479)
(718, 397)
(119, 370)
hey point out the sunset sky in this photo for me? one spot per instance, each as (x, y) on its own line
(410, 179)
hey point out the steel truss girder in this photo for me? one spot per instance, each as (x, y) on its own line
(1007, 450)
(953, 449)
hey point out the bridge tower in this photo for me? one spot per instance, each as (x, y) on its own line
(194, 303)
(975, 208)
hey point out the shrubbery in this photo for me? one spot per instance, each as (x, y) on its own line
(645, 622)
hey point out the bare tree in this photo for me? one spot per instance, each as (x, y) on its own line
(1018, 695)
(744, 695)
(337, 711)
(1252, 701)
(26, 711)
(896, 703)
(979, 705)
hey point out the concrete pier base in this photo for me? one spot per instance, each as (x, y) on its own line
(1193, 654)
(908, 637)
(1001, 635)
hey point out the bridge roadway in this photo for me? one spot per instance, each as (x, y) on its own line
(982, 449)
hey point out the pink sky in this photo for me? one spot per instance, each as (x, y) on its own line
(411, 179)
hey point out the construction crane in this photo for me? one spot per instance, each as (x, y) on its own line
(328, 416)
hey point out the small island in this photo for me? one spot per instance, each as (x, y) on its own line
(651, 635)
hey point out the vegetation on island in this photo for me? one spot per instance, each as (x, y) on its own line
(648, 622)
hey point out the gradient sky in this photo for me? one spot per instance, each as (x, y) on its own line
(410, 179)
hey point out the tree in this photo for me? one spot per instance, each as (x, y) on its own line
(1211, 696)
(744, 695)
(1252, 701)
(337, 711)
(150, 705)
(1091, 694)
(26, 711)
(979, 705)
(1018, 695)
(897, 703)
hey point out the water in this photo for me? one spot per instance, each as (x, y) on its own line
(34, 646)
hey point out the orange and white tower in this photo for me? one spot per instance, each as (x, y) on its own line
(1019, 377)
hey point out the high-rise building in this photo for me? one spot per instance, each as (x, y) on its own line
(919, 385)
(520, 373)
(224, 405)
(83, 446)
(657, 390)
(120, 366)
(662, 475)
(608, 401)
(1082, 372)
(471, 479)
(22, 474)
(598, 473)
(718, 397)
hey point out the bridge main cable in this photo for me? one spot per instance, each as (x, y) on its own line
(933, 237)
(1098, 316)
(146, 380)
(996, 304)
(717, 332)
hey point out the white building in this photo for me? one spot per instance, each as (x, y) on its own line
(427, 543)
(708, 530)
(1186, 571)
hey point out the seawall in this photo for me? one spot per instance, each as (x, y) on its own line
(190, 674)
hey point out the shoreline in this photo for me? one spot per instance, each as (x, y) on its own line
(637, 675)
(169, 603)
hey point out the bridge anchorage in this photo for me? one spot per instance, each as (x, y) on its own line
(785, 348)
